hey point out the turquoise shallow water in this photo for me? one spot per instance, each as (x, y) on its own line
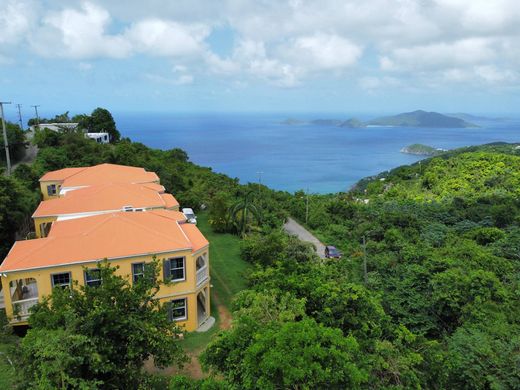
(292, 157)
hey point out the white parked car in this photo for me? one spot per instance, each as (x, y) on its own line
(190, 216)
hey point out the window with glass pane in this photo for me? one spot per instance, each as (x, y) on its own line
(177, 268)
(61, 280)
(51, 190)
(137, 271)
(178, 309)
(93, 277)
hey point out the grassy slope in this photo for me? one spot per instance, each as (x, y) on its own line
(227, 271)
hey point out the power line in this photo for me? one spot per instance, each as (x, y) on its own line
(6, 142)
(20, 116)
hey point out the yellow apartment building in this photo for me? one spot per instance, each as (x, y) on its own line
(56, 183)
(129, 240)
(100, 199)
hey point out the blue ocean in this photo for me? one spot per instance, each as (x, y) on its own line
(322, 159)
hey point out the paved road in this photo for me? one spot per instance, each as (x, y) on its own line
(30, 152)
(294, 228)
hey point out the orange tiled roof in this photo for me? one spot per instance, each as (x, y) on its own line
(196, 238)
(169, 201)
(113, 235)
(106, 197)
(61, 174)
(100, 174)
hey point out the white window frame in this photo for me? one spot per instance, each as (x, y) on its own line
(177, 268)
(185, 307)
(100, 280)
(140, 274)
(61, 284)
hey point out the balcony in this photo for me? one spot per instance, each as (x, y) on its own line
(21, 308)
(24, 295)
(202, 275)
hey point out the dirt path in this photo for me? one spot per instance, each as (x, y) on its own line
(294, 228)
(223, 313)
(193, 368)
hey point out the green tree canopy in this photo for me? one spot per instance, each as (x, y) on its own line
(85, 337)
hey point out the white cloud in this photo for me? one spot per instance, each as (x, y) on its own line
(282, 43)
(166, 38)
(84, 33)
(15, 20)
(438, 55)
(181, 76)
(492, 74)
(184, 79)
(324, 52)
(79, 34)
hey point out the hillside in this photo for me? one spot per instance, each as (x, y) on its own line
(421, 118)
(472, 171)
(442, 251)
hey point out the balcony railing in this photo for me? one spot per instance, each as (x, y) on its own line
(21, 308)
(202, 275)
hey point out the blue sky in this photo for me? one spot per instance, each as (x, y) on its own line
(363, 56)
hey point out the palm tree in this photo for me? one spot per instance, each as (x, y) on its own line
(243, 212)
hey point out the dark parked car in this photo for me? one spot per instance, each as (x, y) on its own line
(332, 253)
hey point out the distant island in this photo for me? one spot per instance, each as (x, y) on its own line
(417, 118)
(353, 123)
(421, 118)
(326, 122)
(470, 117)
(292, 121)
(422, 150)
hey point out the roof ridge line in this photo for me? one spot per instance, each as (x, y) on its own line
(154, 231)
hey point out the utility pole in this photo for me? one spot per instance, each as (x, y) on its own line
(365, 276)
(307, 207)
(6, 142)
(20, 116)
(259, 173)
(37, 116)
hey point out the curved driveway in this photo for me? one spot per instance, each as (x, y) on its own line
(294, 228)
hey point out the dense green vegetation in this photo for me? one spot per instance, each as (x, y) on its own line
(443, 244)
(98, 337)
(17, 143)
(8, 347)
(438, 307)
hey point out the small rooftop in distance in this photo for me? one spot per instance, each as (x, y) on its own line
(100, 174)
(106, 197)
(111, 236)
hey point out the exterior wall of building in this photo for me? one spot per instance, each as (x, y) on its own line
(38, 222)
(43, 188)
(188, 288)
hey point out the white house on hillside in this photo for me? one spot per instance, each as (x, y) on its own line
(100, 138)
